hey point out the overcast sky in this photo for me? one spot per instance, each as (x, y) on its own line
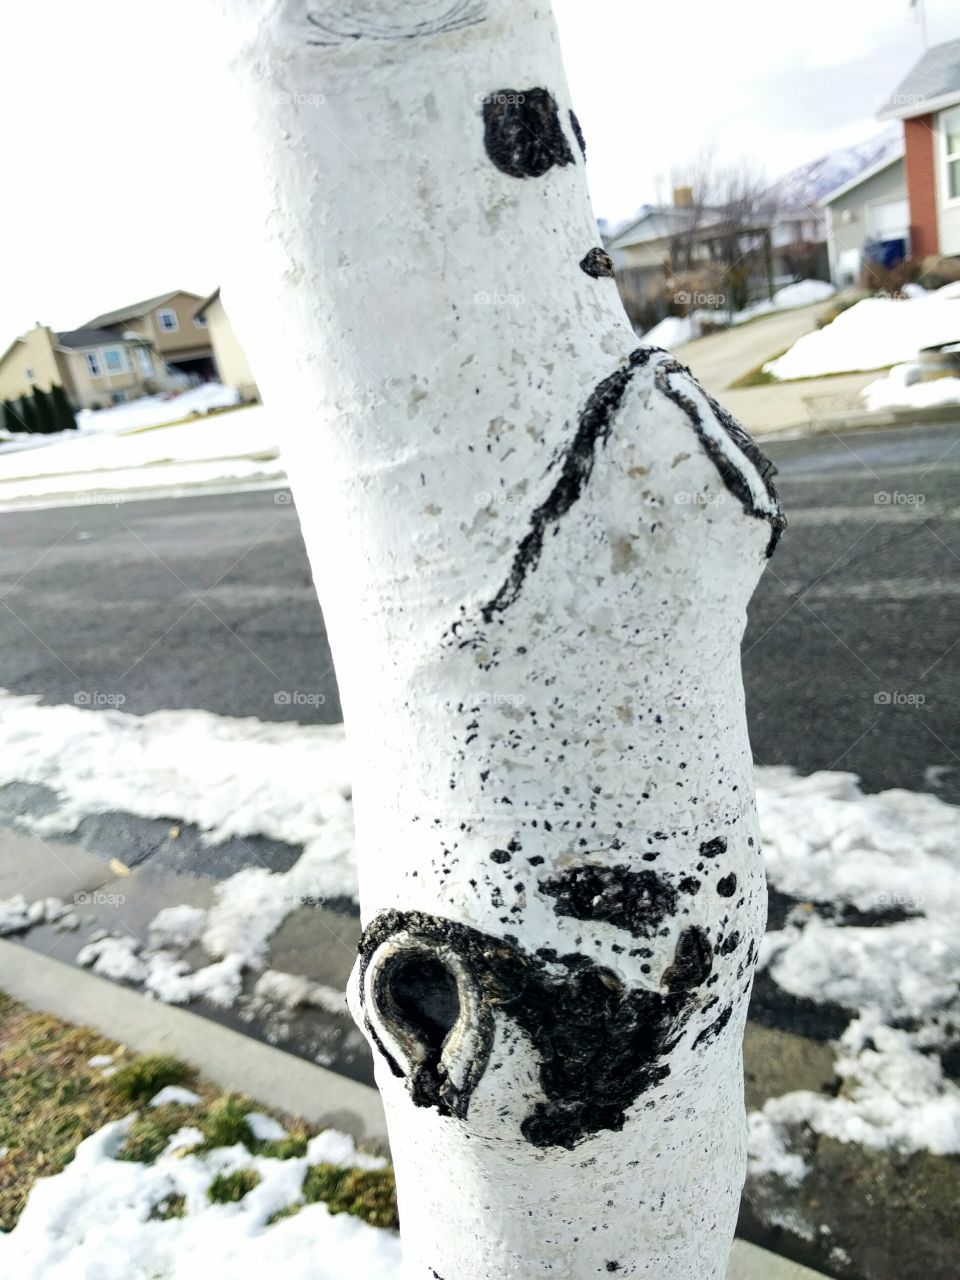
(104, 143)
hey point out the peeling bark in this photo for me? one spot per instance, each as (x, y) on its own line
(534, 544)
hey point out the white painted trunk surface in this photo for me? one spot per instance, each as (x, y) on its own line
(534, 542)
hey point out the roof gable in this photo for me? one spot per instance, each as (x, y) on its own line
(933, 83)
(136, 309)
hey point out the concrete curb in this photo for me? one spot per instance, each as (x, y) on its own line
(748, 1262)
(936, 415)
(234, 1061)
(225, 1057)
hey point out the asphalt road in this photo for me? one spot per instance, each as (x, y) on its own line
(850, 658)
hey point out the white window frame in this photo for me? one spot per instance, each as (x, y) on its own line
(92, 361)
(121, 364)
(145, 360)
(168, 311)
(947, 159)
(200, 321)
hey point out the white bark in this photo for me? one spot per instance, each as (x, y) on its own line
(534, 541)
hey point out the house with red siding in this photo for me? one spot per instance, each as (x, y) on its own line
(928, 103)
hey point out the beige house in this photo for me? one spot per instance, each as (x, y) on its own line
(228, 353)
(171, 326)
(96, 367)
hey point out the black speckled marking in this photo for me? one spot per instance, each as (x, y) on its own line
(635, 901)
(600, 1043)
(727, 887)
(597, 263)
(730, 474)
(578, 134)
(692, 961)
(522, 132)
(332, 30)
(595, 425)
(713, 848)
(709, 1034)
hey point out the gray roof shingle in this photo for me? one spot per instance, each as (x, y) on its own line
(936, 76)
(94, 337)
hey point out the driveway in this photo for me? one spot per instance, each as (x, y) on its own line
(723, 358)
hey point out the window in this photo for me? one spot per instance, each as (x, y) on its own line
(168, 322)
(93, 363)
(30, 374)
(113, 359)
(118, 397)
(200, 321)
(951, 146)
(146, 361)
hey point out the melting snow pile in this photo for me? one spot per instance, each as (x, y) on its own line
(893, 862)
(871, 335)
(876, 879)
(101, 1217)
(900, 388)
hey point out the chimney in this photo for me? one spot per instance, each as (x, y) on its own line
(682, 197)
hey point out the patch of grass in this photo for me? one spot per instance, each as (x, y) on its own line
(50, 1100)
(153, 1128)
(370, 1194)
(144, 1077)
(229, 1188)
(172, 1206)
(288, 1211)
(758, 377)
(292, 1147)
(225, 1123)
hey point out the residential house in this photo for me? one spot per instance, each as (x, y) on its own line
(928, 102)
(171, 326)
(96, 367)
(868, 217)
(227, 351)
(679, 245)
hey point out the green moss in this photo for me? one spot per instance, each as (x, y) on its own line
(370, 1194)
(144, 1077)
(228, 1188)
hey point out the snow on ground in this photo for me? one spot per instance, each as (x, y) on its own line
(94, 1219)
(152, 411)
(890, 861)
(121, 449)
(872, 334)
(672, 331)
(900, 389)
(893, 856)
(802, 293)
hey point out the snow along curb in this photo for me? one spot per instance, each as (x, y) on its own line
(225, 1057)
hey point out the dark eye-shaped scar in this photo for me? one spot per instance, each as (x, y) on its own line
(523, 134)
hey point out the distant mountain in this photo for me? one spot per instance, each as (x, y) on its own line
(809, 183)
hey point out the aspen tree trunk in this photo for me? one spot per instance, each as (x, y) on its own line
(534, 540)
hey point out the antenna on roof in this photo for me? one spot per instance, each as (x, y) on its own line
(920, 8)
